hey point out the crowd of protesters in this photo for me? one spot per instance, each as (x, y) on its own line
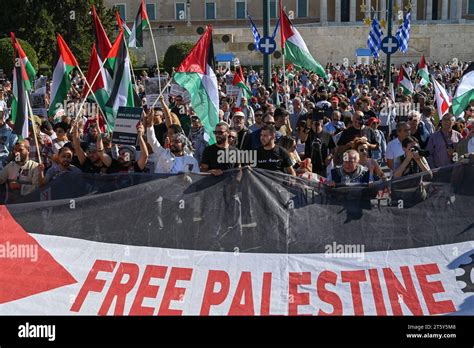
(349, 128)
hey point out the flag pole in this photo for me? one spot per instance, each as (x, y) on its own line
(161, 92)
(131, 66)
(93, 94)
(33, 125)
(90, 89)
(284, 79)
(156, 55)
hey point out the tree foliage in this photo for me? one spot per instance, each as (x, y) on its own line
(175, 54)
(38, 22)
(6, 55)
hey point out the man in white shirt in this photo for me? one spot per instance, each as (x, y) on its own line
(177, 159)
(394, 147)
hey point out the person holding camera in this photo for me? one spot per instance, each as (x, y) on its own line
(358, 130)
(414, 161)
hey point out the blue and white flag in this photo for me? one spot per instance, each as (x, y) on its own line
(256, 35)
(403, 34)
(374, 42)
(276, 28)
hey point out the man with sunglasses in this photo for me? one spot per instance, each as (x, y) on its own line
(88, 158)
(198, 137)
(212, 157)
(258, 121)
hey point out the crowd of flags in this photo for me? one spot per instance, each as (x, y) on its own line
(110, 83)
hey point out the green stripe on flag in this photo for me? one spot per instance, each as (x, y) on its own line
(303, 59)
(200, 101)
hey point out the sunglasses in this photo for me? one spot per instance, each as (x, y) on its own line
(270, 123)
(258, 115)
(218, 133)
(231, 137)
(412, 118)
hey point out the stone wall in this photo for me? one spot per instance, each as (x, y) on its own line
(438, 42)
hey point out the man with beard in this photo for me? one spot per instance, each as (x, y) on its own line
(271, 156)
(177, 158)
(198, 137)
(126, 161)
(64, 165)
(22, 175)
(94, 159)
(238, 123)
(212, 158)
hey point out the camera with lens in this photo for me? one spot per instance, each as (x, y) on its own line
(421, 152)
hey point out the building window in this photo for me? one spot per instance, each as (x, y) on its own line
(210, 10)
(150, 10)
(122, 11)
(302, 8)
(240, 9)
(273, 9)
(180, 11)
(470, 7)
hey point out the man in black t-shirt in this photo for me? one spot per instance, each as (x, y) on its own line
(271, 156)
(91, 159)
(215, 158)
(181, 110)
(126, 162)
(358, 130)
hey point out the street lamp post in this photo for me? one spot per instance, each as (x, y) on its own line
(188, 12)
(389, 30)
(266, 31)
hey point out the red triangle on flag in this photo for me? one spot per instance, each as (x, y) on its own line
(23, 277)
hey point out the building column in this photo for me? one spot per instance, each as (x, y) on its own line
(338, 11)
(353, 9)
(444, 10)
(383, 9)
(429, 10)
(324, 12)
(459, 10)
(368, 9)
(414, 11)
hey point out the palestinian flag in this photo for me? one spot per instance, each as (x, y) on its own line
(30, 71)
(121, 91)
(464, 92)
(196, 75)
(113, 254)
(101, 39)
(294, 48)
(61, 79)
(100, 87)
(239, 81)
(141, 23)
(423, 73)
(122, 25)
(405, 82)
(20, 108)
(443, 101)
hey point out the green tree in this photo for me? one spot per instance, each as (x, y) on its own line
(175, 54)
(6, 55)
(38, 22)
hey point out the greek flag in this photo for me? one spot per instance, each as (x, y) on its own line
(256, 35)
(276, 28)
(374, 42)
(403, 34)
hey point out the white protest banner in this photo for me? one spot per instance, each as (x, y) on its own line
(176, 90)
(152, 90)
(125, 131)
(38, 104)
